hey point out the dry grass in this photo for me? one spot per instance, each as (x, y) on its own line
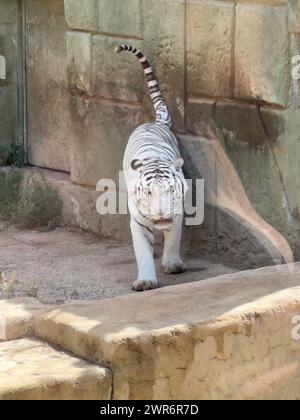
(30, 203)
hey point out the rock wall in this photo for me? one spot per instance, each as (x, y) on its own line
(10, 89)
(231, 65)
(221, 63)
(47, 94)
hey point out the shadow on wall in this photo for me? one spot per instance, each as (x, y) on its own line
(248, 188)
(241, 235)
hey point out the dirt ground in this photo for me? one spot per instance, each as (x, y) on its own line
(65, 265)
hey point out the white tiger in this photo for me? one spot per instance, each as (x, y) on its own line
(156, 186)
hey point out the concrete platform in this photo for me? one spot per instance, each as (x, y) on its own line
(18, 317)
(225, 338)
(32, 370)
(235, 336)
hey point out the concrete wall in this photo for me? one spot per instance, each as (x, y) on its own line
(10, 89)
(221, 62)
(47, 93)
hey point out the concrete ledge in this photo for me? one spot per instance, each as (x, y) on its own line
(79, 205)
(18, 317)
(225, 338)
(31, 370)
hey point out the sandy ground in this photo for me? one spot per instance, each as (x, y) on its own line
(68, 265)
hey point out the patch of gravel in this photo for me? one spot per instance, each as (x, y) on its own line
(65, 265)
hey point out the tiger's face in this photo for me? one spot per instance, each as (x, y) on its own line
(159, 191)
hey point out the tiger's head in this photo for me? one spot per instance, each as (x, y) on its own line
(159, 191)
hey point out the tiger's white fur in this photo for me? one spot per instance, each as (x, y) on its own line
(156, 186)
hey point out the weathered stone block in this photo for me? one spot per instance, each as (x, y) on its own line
(9, 127)
(8, 114)
(32, 370)
(83, 202)
(284, 129)
(253, 153)
(82, 14)
(275, 123)
(116, 76)
(200, 113)
(79, 209)
(190, 347)
(210, 26)
(100, 133)
(8, 12)
(18, 317)
(240, 123)
(79, 53)
(228, 170)
(294, 16)
(164, 34)
(47, 86)
(262, 54)
(120, 17)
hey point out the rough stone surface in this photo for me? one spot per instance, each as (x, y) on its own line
(271, 160)
(31, 370)
(209, 47)
(8, 118)
(79, 51)
(47, 94)
(294, 16)
(241, 122)
(118, 76)
(120, 17)
(262, 69)
(18, 317)
(79, 206)
(107, 16)
(212, 343)
(8, 11)
(206, 158)
(284, 127)
(98, 145)
(81, 14)
(200, 113)
(164, 40)
(9, 89)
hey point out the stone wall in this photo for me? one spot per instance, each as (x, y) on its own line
(220, 63)
(225, 64)
(47, 94)
(10, 89)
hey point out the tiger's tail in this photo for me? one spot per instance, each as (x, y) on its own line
(160, 106)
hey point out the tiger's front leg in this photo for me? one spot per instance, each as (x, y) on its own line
(143, 241)
(172, 261)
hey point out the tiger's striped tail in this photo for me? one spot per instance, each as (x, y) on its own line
(162, 112)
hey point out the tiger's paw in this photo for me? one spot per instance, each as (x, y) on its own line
(143, 285)
(173, 266)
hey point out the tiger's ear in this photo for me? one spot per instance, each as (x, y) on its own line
(136, 164)
(178, 164)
